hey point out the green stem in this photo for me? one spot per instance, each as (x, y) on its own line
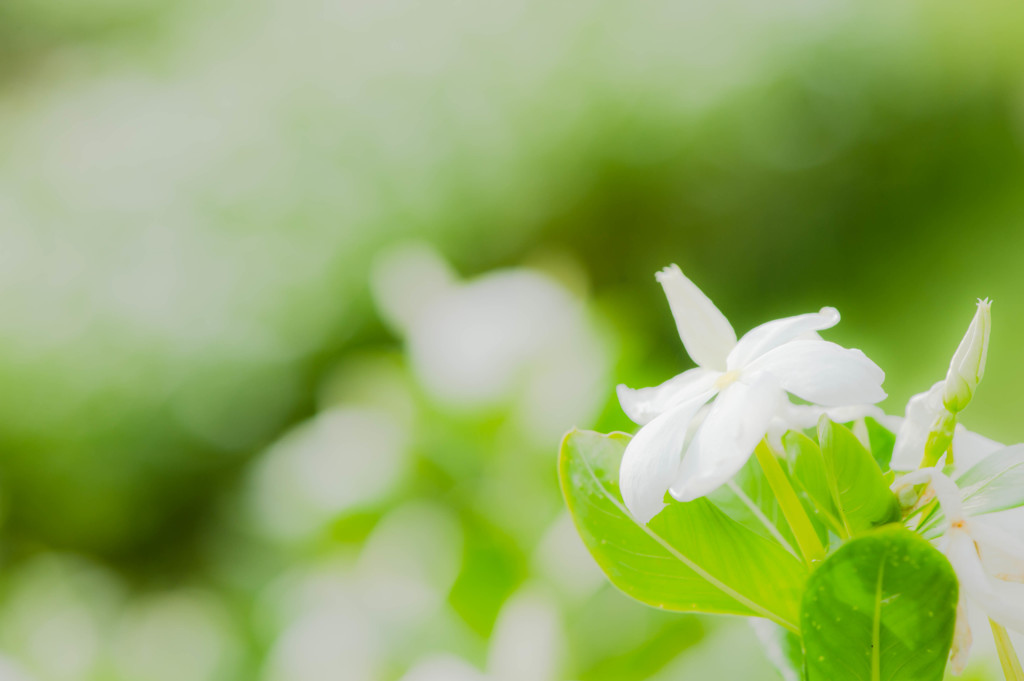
(940, 440)
(789, 502)
(1007, 655)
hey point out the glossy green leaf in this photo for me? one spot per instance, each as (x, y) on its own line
(881, 608)
(748, 499)
(691, 557)
(859, 491)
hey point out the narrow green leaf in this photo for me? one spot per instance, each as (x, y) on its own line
(811, 546)
(691, 557)
(882, 608)
(1008, 659)
(858, 488)
(882, 442)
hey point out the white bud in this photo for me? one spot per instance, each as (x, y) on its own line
(968, 365)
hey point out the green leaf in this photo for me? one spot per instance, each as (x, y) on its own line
(882, 442)
(856, 483)
(691, 557)
(996, 483)
(807, 470)
(881, 608)
(749, 500)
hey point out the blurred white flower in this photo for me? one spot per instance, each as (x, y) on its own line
(176, 635)
(341, 618)
(512, 339)
(527, 645)
(57, 616)
(562, 559)
(989, 561)
(9, 671)
(342, 458)
(750, 378)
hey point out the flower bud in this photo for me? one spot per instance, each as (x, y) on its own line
(968, 365)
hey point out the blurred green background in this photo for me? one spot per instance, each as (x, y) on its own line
(297, 298)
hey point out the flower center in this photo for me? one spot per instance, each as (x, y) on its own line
(727, 379)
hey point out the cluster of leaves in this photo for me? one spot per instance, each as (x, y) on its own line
(877, 602)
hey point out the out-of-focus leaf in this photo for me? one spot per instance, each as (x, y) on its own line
(783, 649)
(857, 486)
(881, 608)
(691, 557)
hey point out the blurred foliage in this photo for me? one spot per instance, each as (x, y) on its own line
(192, 197)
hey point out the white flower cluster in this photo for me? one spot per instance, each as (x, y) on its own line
(698, 429)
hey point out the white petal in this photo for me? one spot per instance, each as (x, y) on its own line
(969, 447)
(1007, 549)
(964, 558)
(736, 422)
(652, 458)
(705, 331)
(1007, 605)
(824, 373)
(923, 410)
(803, 416)
(945, 490)
(644, 404)
(771, 335)
(962, 638)
(1002, 601)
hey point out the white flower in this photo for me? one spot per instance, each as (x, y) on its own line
(750, 378)
(988, 560)
(927, 432)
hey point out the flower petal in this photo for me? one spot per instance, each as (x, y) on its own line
(652, 458)
(771, 335)
(644, 404)
(969, 447)
(706, 333)
(824, 373)
(1002, 601)
(735, 423)
(1002, 545)
(803, 416)
(923, 410)
(945, 490)
(962, 638)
